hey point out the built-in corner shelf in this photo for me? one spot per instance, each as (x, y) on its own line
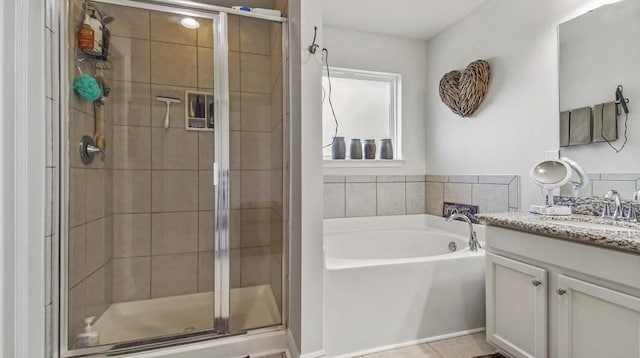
(198, 111)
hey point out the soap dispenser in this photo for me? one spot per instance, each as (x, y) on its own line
(90, 337)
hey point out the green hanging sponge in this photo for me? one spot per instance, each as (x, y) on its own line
(87, 87)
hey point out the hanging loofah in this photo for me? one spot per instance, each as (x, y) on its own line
(87, 87)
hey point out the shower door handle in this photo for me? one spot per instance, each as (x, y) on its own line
(215, 174)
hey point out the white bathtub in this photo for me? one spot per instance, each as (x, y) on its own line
(392, 281)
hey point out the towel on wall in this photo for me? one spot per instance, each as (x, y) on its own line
(580, 126)
(605, 122)
(564, 128)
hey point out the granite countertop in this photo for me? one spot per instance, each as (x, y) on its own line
(617, 235)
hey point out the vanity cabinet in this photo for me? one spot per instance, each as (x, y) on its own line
(516, 299)
(548, 297)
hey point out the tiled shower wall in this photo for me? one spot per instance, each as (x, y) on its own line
(352, 196)
(90, 195)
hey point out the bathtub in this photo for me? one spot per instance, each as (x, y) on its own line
(392, 282)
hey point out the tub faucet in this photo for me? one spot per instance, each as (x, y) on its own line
(474, 245)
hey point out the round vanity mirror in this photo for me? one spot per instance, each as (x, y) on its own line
(551, 174)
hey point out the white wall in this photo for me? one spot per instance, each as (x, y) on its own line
(590, 70)
(518, 120)
(373, 52)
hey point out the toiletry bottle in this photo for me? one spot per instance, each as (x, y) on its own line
(84, 36)
(90, 337)
(96, 26)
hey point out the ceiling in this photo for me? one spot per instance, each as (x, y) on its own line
(417, 19)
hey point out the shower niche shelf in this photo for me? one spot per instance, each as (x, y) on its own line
(198, 111)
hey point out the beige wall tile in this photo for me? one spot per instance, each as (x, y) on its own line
(97, 254)
(626, 188)
(205, 33)
(173, 275)
(254, 266)
(166, 27)
(205, 67)
(131, 103)
(206, 194)
(256, 150)
(255, 112)
(205, 230)
(128, 21)
(416, 198)
(174, 190)
(77, 254)
(275, 279)
(491, 198)
(256, 189)
(391, 199)
(173, 233)
(205, 271)
(277, 112)
(256, 227)
(77, 313)
(255, 36)
(77, 196)
(234, 268)
(334, 200)
(276, 190)
(235, 229)
(234, 110)
(96, 197)
(434, 193)
(131, 147)
(176, 110)
(457, 193)
(254, 73)
(78, 127)
(235, 188)
(360, 199)
(277, 147)
(173, 64)
(130, 59)
(235, 150)
(276, 53)
(174, 149)
(98, 291)
(131, 279)
(234, 71)
(206, 150)
(131, 191)
(233, 27)
(131, 235)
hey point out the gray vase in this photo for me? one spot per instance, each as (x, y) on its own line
(355, 151)
(386, 149)
(338, 148)
(369, 149)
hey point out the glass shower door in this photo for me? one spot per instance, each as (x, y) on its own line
(140, 212)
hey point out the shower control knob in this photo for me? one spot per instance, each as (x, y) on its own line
(561, 291)
(536, 283)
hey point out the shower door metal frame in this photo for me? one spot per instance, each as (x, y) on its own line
(221, 302)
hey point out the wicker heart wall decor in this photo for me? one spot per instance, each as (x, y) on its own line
(463, 92)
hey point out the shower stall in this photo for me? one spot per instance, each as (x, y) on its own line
(174, 179)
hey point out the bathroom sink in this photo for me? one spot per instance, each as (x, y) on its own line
(594, 224)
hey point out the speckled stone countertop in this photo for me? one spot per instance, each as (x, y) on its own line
(617, 235)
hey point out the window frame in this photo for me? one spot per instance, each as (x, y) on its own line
(395, 107)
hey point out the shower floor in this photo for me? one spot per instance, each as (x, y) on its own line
(251, 307)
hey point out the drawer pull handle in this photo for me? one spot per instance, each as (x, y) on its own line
(561, 291)
(536, 283)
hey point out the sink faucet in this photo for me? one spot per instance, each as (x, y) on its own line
(474, 245)
(631, 214)
(617, 211)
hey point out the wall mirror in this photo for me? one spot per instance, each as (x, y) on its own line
(598, 51)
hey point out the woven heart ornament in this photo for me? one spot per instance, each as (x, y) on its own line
(463, 92)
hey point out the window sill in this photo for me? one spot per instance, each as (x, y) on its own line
(363, 163)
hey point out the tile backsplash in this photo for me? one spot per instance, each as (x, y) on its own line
(600, 183)
(370, 195)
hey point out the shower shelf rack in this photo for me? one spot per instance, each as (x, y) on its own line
(194, 122)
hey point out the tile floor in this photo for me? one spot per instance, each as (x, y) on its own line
(460, 347)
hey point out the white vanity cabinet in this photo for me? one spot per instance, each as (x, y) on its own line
(516, 297)
(549, 297)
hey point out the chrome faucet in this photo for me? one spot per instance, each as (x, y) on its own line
(631, 213)
(617, 211)
(474, 245)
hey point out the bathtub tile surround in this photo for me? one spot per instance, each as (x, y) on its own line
(491, 193)
(370, 195)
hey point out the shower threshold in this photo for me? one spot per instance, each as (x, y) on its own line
(251, 307)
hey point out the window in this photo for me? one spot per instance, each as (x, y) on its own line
(366, 106)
